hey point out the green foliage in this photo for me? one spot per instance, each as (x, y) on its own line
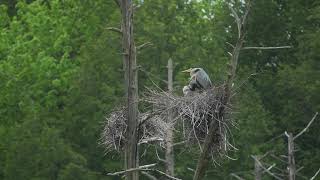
(61, 73)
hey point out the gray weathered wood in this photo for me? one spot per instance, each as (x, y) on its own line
(257, 169)
(131, 85)
(291, 162)
(169, 155)
(211, 138)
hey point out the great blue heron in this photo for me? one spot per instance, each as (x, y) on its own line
(199, 79)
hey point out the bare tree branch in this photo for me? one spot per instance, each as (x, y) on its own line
(276, 157)
(230, 44)
(299, 169)
(144, 45)
(237, 19)
(149, 140)
(114, 29)
(214, 126)
(269, 168)
(267, 48)
(306, 128)
(148, 175)
(167, 175)
(315, 175)
(179, 143)
(140, 168)
(236, 176)
(265, 169)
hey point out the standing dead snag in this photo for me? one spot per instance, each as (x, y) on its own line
(214, 126)
(257, 169)
(169, 156)
(291, 162)
(131, 85)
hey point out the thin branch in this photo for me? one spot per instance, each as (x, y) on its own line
(274, 138)
(179, 143)
(162, 173)
(148, 175)
(160, 159)
(244, 18)
(299, 169)
(190, 169)
(265, 169)
(269, 168)
(167, 175)
(266, 154)
(275, 157)
(286, 133)
(149, 140)
(315, 175)
(267, 48)
(140, 168)
(114, 29)
(236, 176)
(230, 44)
(306, 128)
(144, 45)
(238, 21)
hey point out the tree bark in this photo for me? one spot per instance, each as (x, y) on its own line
(169, 155)
(131, 85)
(212, 138)
(257, 169)
(291, 162)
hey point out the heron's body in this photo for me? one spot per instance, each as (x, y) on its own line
(199, 80)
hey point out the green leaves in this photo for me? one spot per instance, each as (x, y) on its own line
(61, 71)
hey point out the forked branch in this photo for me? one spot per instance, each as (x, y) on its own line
(267, 170)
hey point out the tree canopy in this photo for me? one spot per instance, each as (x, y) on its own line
(61, 74)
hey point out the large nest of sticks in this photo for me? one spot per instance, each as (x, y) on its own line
(196, 112)
(150, 130)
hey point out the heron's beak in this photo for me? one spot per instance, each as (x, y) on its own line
(187, 70)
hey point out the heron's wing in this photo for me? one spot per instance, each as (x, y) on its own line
(203, 79)
(194, 84)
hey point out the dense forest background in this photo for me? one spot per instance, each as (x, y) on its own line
(61, 74)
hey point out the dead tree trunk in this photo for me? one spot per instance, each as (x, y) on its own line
(169, 155)
(212, 138)
(131, 85)
(291, 162)
(257, 170)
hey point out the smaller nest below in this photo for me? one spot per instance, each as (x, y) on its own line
(150, 130)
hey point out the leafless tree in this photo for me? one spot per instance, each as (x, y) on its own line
(131, 87)
(292, 170)
(169, 154)
(214, 125)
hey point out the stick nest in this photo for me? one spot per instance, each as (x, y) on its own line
(150, 130)
(195, 112)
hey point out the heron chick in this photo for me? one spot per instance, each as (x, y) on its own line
(199, 80)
